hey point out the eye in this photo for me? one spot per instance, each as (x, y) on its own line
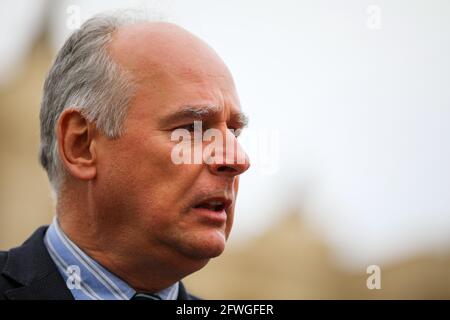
(189, 127)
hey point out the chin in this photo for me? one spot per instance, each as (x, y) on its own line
(205, 244)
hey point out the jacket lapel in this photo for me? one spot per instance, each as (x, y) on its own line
(32, 268)
(184, 295)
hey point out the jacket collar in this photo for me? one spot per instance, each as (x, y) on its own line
(31, 266)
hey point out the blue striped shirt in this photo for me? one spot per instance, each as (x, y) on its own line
(85, 278)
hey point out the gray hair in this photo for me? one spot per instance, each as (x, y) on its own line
(86, 78)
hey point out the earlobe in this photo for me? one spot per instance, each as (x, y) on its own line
(76, 144)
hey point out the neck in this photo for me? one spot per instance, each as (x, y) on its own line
(149, 267)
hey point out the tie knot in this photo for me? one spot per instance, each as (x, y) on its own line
(145, 296)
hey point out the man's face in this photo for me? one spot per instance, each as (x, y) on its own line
(148, 201)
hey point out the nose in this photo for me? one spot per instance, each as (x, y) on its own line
(234, 160)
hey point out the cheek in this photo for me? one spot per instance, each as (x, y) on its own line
(146, 175)
(144, 161)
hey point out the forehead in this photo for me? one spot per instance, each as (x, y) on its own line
(152, 49)
(173, 67)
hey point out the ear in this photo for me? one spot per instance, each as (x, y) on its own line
(76, 144)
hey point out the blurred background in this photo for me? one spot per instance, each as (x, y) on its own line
(349, 137)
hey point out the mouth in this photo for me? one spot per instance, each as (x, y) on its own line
(214, 209)
(212, 205)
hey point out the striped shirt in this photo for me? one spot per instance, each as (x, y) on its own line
(84, 277)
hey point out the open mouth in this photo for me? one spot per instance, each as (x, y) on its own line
(213, 205)
(213, 210)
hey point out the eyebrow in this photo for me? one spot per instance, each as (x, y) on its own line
(203, 113)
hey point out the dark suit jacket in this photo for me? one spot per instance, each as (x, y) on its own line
(29, 273)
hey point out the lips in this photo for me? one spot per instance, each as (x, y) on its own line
(217, 204)
(212, 210)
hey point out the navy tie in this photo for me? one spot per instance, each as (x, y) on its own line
(145, 296)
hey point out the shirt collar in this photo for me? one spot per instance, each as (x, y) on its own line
(84, 277)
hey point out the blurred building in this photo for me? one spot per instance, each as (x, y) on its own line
(24, 190)
(290, 261)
